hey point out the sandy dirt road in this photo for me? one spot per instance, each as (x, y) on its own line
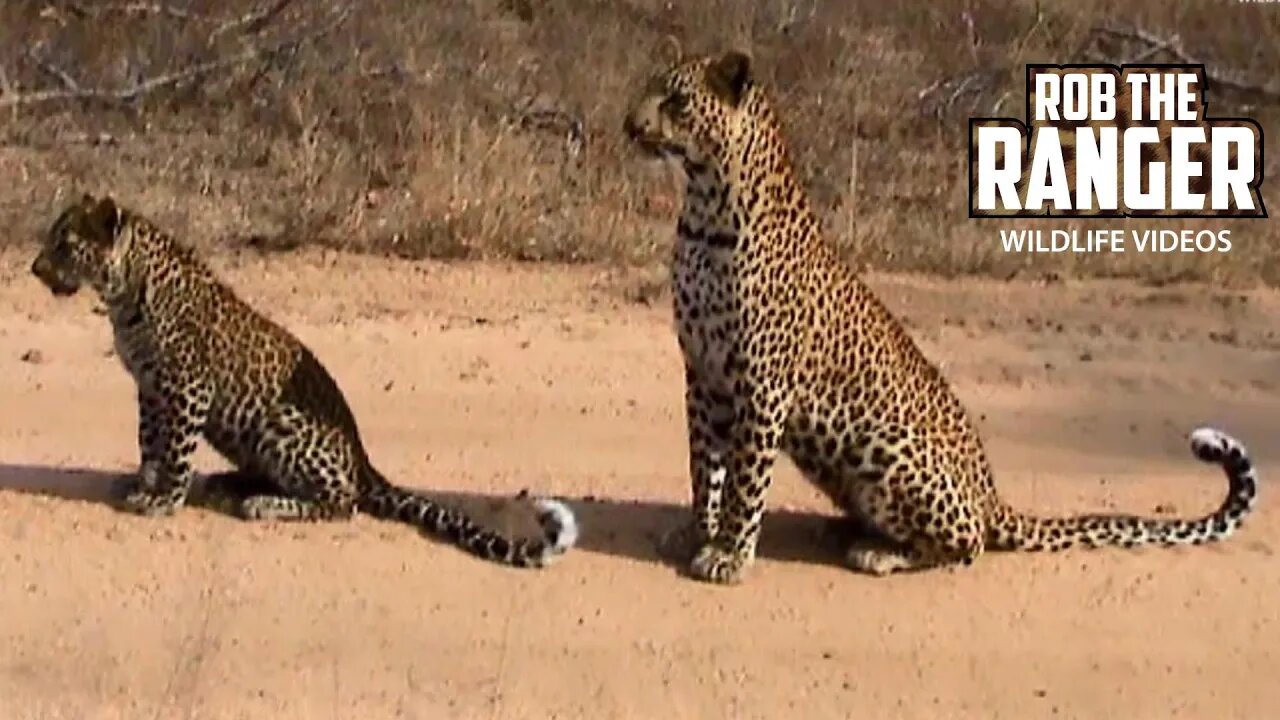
(479, 381)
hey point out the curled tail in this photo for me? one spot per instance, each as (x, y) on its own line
(1011, 530)
(560, 528)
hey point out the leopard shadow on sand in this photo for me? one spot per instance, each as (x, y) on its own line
(617, 528)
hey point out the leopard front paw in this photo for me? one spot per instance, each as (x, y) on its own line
(717, 565)
(225, 492)
(150, 504)
(134, 494)
(124, 486)
(224, 503)
(874, 559)
(679, 543)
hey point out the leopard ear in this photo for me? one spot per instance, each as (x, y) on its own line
(102, 220)
(729, 76)
(669, 52)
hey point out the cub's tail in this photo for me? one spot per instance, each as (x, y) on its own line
(560, 527)
(1011, 530)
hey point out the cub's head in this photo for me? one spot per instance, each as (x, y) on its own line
(693, 108)
(77, 247)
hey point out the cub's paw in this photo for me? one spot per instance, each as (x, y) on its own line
(717, 565)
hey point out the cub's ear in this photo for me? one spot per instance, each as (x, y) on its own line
(102, 220)
(729, 76)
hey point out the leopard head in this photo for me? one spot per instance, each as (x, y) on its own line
(693, 109)
(77, 247)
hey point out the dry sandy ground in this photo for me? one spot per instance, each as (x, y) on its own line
(481, 381)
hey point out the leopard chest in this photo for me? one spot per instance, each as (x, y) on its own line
(135, 343)
(707, 309)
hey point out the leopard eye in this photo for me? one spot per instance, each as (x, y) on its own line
(676, 103)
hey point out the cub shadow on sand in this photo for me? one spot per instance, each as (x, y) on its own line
(66, 483)
(617, 527)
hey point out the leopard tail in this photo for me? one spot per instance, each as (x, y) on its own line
(1012, 530)
(387, 501)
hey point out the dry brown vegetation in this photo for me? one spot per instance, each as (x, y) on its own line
(491, 128)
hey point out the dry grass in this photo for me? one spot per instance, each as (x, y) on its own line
(446, 129)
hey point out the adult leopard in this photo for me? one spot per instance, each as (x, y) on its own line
(207, 364)
(786, 350)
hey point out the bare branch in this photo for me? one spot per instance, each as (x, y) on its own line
(944, 96)
(975, 89)
(971, 27)
(1108, 43)
(6, 87)
(249, 22)
(50, 69)
(544, 114)
(134, 8)
(926, 92)
(1022, 42)
(253, 21)
(1154, 44)
(130, 93)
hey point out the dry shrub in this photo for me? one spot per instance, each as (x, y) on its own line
(490, 129)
